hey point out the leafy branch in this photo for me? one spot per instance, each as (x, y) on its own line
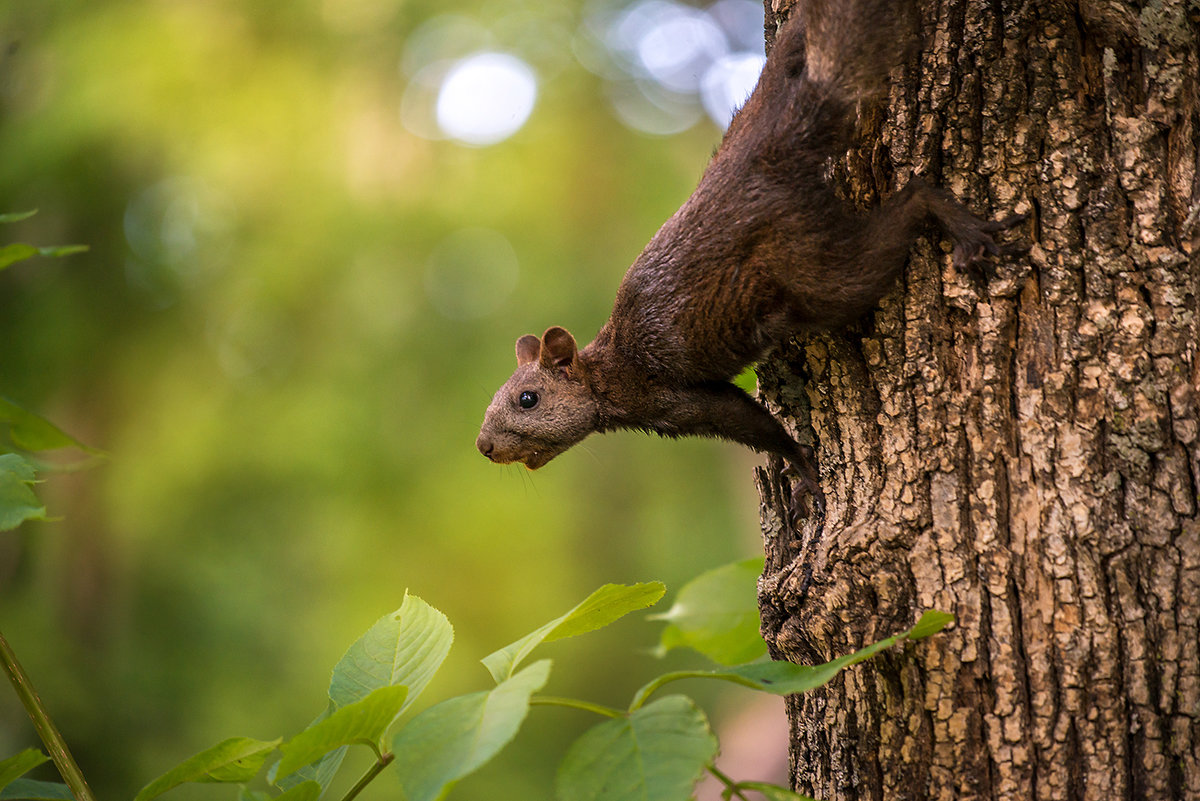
(25, 433)
(654, 749)
(18, 251)
(45, 728)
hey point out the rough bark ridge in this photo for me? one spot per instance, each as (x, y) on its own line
(1026, 456)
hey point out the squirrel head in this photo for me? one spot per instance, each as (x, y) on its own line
(544, 408)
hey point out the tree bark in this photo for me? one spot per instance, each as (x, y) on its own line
(1024, 455)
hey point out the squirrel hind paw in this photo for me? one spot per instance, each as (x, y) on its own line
(806, 487)
(803, 491)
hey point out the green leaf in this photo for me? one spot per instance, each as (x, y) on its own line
(657, 752)
(16, 216)
(607, 604)
(785, 678)
(320, 772)
(237, 759)
(17, 251)
(454, 738)
(58, 251)
(931, 622)
(747, 380)
(246, 794)
(304, 791)
(18, 765)
(18, 466)
(365, 721)
(33, 433)
(773, 792)
(33, 790)
(406, 647)
(17, 501)
(716, 613)
(403, 648)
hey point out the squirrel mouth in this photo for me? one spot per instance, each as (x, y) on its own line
(538, 457)
(531, 457)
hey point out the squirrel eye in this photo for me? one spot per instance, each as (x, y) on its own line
(528, 400)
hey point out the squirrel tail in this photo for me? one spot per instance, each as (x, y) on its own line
(850, 46)
(827, 57)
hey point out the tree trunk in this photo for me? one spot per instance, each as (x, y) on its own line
(1025, 455)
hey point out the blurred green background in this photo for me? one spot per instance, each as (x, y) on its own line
(299, 299)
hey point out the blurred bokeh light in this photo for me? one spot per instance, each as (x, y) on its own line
(666, 63)
(486, 98)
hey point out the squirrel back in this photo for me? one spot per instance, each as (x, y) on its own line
(761, 248)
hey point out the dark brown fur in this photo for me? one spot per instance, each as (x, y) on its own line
(763, 248)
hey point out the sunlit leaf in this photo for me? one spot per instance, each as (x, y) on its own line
(18, 251)
(33, 433)
(237, 759)
(19, 764)
(17, 501)
(454, 738)
(931, 622)
(747, 380)
(364, 721)
(716, 613)
(34, 790)
(11, 254)
(657, 752)
(607, 604)
(406, 647)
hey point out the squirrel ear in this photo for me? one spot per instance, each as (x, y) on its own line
(558, 349)
(528, 348)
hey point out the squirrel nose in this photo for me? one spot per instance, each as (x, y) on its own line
(485, 446)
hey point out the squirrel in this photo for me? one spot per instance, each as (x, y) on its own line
(763, 249)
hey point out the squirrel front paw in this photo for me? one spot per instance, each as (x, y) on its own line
(975, 248)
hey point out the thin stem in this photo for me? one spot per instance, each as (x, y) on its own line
(45, 727)
(733, 787)
(550, 700)
(371, 773)
(640, 697)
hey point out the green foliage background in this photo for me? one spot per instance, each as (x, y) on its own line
(290, 420)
